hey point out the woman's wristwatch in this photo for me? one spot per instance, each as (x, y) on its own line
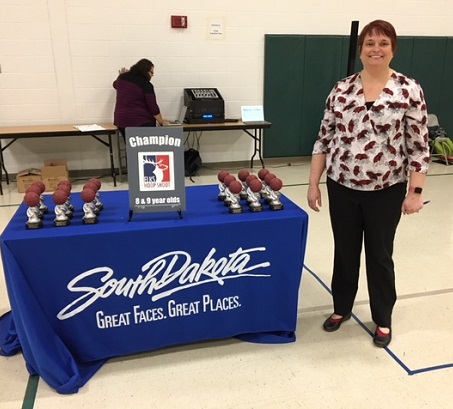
(417, 190)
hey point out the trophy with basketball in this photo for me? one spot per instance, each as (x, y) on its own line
(34, 221)
(267, 191)
(243, 175)
(67, 186)
(37, 190)
(93, 186)
(254, 187)
(42, 187)
(59, 197)
(234, 190)
(88, 195)
(262, 176)
(66, 206)
(274, 186)
(97, 200)
(221, 176)
(228, 196)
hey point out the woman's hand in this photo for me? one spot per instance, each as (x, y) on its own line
(314, 197)
(413, 203)
(122, 70)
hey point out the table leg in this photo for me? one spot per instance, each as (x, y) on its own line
(112, 161)
(257, 145)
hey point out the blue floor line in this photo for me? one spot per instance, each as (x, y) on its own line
(389, 351)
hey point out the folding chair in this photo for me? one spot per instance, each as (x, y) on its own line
(436, 136)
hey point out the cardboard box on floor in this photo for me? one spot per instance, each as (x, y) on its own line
(53, 172)
(25, 178)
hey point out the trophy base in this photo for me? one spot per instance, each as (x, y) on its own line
(276, 206)
(243, 195)
(100, 206)
(89, 220)
(34, 225)
(236, 210)
(255, 209)
(221, 197)
(61, 223)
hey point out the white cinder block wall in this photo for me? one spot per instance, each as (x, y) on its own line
(58, 59)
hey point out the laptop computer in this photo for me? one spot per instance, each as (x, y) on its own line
(180, 120)
(252, 114)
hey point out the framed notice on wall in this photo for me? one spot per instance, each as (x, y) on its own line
(155, 166)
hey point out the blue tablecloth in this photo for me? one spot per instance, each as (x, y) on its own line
(85, 293)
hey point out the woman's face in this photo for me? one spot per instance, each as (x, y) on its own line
(376, 50)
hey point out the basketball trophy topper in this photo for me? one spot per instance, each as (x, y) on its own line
(94, 186)
(221, 176)
(97, 200)
(254, 187)
(59, 198)
(66, 206)
(37, 190)
(67, 186)
(226, 181)
(275, 184)
(243, 175)
(31, 199)
(42, 187)
(88, 196)
(233, 192)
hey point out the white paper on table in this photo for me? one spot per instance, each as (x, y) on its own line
(88, 128)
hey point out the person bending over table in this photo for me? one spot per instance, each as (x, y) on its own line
(136, 103)
(373, 143)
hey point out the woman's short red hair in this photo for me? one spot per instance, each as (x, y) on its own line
(378, 27)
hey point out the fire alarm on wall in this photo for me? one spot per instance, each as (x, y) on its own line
(179, 21)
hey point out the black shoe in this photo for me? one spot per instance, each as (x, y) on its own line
(380, 339)
(332, 324)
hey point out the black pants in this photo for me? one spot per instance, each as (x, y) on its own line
(369, 217)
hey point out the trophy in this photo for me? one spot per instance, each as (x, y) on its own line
(42, 187)
(266, 192)
(262, 175)
(97, 199)
(34, 221)
(36, 189)
(67, 207)
(243, 175)
(226, 181)
(94, 186)
(221, 176)
(59, 197)
(253, 195)
(88, 196)
(233, 194)
(275, 184)
(67, 187)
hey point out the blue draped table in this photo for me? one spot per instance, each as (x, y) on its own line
(82, 294)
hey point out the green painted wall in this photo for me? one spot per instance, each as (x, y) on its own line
(300, 71)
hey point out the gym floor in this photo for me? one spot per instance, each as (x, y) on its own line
(320, 370)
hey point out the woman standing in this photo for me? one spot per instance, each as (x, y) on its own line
(373, 143)
(136, 103)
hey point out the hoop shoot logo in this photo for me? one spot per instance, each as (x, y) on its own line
(156, 171)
